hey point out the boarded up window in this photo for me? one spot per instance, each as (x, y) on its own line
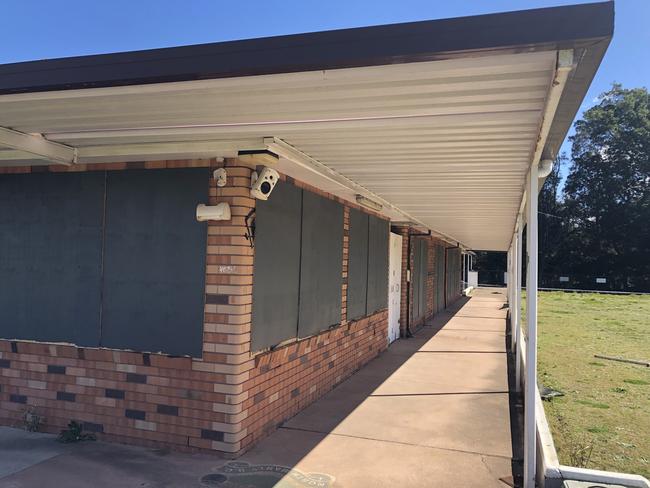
(378, 232)
(277, 267)
(357, 265)
(154, 261)
(50, 256)
(453, 274)
(419, 278)
(298, 266)
(439, 287)
(320, 265)
(111, 259)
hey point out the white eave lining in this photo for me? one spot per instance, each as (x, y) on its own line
(349, 170)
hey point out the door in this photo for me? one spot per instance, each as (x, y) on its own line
(394, 285)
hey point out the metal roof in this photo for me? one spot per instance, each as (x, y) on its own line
(440, 120)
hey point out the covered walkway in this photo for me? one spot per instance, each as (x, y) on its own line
(431, 411)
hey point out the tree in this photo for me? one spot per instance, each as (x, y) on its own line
(551, 227)
(607, 191)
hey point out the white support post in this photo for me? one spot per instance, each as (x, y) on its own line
(508, 277)
(511, 298)
(530, 428)
(511, 291)
(517, 305)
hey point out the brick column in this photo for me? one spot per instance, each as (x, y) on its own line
(228, 306)
(346, 250)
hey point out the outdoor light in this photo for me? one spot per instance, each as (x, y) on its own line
(220, 211)
(371, 204)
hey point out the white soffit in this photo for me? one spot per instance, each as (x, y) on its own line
(448, 142)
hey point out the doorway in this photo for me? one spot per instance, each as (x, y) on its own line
(394, 285)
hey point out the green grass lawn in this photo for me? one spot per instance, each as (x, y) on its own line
(603, 421)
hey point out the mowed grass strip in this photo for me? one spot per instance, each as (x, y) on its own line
(603, 421)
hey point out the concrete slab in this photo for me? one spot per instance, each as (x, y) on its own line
(464, 340)
(102, 465)
(477, 423)
(355, 462)
(473, 323)
(20, 449)
(431, 411)
(438, 373)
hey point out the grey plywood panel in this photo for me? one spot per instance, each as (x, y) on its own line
(357, 265)
(439, 287)
(453, 273)
(321, 264)
(416, 277)
(378, 232)
(424, 268)
(154, 261)
(419, 278)
(276, 275)
(50, 256)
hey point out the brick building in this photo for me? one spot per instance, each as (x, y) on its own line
(397, 148)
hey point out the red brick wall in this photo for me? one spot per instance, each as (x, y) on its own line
(224, 401)
(407, 258)
(151, 399)
(287, 380)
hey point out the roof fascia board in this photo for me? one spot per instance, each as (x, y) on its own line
(564, 27)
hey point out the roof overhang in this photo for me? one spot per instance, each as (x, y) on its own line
(438, 121)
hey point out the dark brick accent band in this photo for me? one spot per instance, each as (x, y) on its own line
(65, 396)
(54, 369)
(5, 363)
(136, 378)
(111, 393)
(213, 435)
(167, 410)
(216, 299)
(18, 398)
(135, 414)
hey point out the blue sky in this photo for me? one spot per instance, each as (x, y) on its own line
(42, 29)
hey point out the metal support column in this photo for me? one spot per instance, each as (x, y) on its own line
(530, 429)
(517, 304)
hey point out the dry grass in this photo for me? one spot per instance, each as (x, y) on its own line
(603, 421)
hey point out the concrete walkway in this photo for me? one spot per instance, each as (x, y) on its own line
(432, 411)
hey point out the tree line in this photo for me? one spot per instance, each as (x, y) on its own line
(594, 208)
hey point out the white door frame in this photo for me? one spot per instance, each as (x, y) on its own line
(394, 285)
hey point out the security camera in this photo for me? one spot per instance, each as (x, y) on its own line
(262, 185)
(220, 176)
(220, 211)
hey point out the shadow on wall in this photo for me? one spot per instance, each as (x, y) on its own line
(277, 459)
